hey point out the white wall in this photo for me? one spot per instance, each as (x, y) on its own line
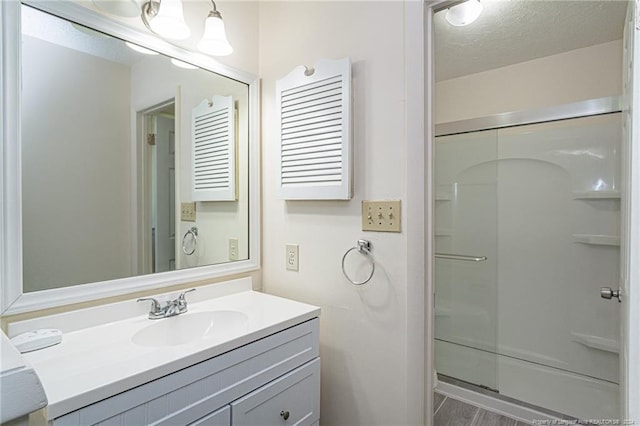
(75, 167)
(588, 73)
(363, 332)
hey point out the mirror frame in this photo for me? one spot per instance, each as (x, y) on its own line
(12, 298)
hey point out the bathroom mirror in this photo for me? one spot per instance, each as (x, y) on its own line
(100, 169)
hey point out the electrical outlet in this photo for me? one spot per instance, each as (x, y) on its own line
(292, 257)
(188, 212)
(233, 249)
(381, 216)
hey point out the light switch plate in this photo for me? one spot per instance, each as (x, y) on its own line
(381, 216)
(292, 257)
(233, 249)
(188, 212)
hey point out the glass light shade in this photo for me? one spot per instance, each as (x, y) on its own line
(169, 22)
(464, 13)
(214, 40)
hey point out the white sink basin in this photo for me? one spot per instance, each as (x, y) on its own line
(190, 327)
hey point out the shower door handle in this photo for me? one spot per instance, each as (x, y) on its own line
(609, 293)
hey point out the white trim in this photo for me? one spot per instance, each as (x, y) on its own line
(418, 342)
(11, 197)
(12, 300)
(630, 392)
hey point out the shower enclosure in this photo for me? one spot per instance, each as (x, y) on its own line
(527, 232)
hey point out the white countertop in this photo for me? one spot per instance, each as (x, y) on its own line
(97, 362)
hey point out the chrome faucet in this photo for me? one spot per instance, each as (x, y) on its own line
(168, 309)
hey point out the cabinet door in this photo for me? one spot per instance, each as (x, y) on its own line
(221, 417)
(293, 399)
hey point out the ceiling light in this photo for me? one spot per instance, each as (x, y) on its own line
(140, 49)
(214, 40)
(166, 18)
(464, 13)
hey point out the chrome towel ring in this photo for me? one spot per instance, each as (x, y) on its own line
(363, 247)
(193, 231)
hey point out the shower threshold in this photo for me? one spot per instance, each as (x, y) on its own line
(491, 399)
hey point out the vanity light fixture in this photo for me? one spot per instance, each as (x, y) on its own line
(464, 13)
(166, 19)
(214, 40)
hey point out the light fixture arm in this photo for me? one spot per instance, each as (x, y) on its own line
(149, 10)
(214, 13)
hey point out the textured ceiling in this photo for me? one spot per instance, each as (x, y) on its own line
(509, 32)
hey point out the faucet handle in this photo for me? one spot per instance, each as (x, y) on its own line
(156, 307)
(182, 301)
(182, 298)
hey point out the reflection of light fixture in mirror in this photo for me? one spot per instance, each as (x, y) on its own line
(140, 49)
(166, 19)
(214, 40)
(184, 65)
(88, 31)
(464, 13)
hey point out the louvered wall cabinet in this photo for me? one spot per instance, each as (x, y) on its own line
(313, 110)
(213, 150)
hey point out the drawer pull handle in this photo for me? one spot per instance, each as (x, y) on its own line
(285, 415)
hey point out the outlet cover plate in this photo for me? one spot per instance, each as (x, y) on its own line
(188, 212)
(292, 257)
(381, 216)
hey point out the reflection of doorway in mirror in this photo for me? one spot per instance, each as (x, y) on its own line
(160, 188)
(165, 185)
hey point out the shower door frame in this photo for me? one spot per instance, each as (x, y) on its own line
(631, 180)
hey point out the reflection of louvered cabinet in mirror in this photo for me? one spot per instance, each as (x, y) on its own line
(314, 118)
(214, 150)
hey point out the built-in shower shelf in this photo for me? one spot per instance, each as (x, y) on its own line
(443, 232)
(596, 195)
(443, 197)
(596, 342)
(597, 240)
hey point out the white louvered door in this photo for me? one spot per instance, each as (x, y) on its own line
(314, 116)
(213, 150)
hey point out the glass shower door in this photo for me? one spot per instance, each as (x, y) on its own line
(466, 203)
(527, 231)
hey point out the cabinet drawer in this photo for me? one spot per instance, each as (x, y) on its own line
(222, 417)
(191, 393)
(293, 399)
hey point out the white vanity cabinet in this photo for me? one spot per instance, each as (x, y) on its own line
(271, 381)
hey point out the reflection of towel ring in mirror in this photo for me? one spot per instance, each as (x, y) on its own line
(193, 231)
(363, 247)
